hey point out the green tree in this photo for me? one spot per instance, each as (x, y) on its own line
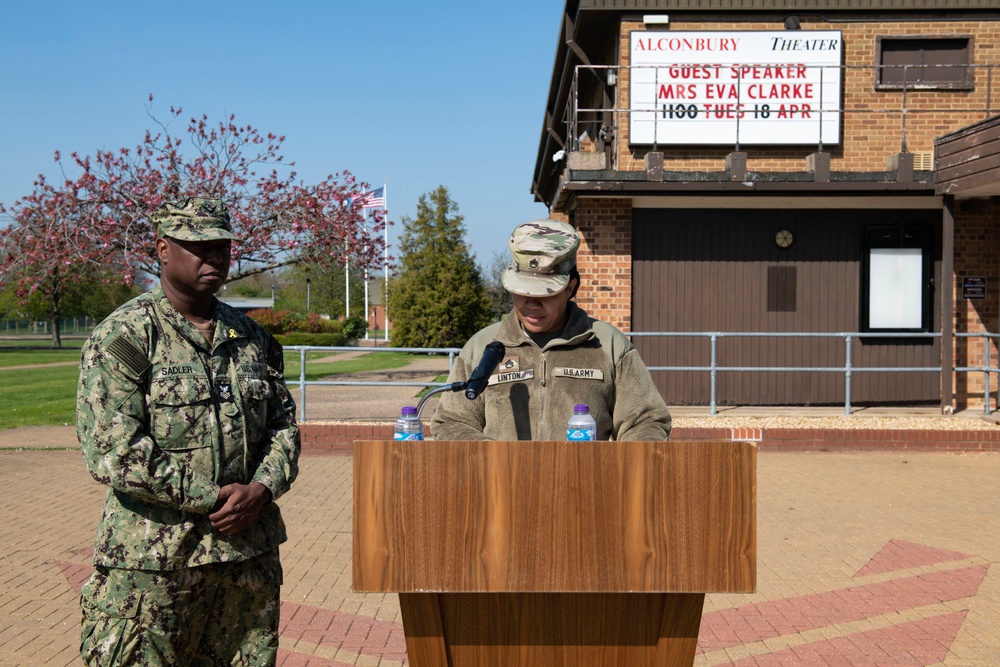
(501, 301)
(257, 286)
(437, 298)
(98, 298)
(324, 292)
(75, 292)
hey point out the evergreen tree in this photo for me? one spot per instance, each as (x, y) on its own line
(501, 301)
(437, 298)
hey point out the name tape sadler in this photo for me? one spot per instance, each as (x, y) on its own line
(176, 370)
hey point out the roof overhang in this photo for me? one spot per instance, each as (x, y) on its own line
(625, 184)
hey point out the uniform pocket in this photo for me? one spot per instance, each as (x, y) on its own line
(111, 623)
(256, 393)
(255, 389)
(180, 412)
(183, 419)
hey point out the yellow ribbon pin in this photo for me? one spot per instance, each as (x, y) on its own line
(232, 334)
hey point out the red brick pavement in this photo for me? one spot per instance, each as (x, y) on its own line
(863, 559)
(922, 642)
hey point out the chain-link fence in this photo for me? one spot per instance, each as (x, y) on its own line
(67, 325)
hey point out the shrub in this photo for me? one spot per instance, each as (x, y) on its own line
(318, 339)
(273, 321)
(355, 327)
(316, 324)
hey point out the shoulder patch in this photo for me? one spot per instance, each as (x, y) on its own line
(275, 355)
(131, 356)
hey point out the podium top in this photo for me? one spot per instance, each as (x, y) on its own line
(554, 517)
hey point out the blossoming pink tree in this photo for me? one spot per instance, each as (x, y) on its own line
(44, 250)
(100, 216)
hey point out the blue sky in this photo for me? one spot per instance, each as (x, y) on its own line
(412, 94)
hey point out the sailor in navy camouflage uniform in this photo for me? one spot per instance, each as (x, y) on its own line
(182, 411)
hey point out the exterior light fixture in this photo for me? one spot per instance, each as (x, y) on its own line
(656, 19)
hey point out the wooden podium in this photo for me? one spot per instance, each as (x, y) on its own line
(553, 553)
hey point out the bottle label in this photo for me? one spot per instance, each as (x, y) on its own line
(407, 436)
(578, 434)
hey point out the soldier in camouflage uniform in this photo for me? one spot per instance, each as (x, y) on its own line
(555, 357)
(183, 413)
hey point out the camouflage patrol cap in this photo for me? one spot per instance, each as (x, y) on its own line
(194, 219)
(543, 253)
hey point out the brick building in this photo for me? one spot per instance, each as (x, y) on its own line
(823, 168)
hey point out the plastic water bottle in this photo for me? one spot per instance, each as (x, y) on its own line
(408, 426)
(581, 425)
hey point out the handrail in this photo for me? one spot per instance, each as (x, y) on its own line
(302, 382)
(848, 369)
(713, 369)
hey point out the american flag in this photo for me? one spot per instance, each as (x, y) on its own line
(373, 198)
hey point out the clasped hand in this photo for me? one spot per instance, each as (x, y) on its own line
(238, 506)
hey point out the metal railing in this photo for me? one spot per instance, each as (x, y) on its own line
(303, 383)
(886, 99)
(713, 369)
(985, 369)
(67, 325)
(848, 369)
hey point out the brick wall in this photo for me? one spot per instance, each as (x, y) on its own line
(977, 253)
(605, 260)
(338, 438)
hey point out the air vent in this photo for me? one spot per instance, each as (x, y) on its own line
(781, 290)
(923, 161)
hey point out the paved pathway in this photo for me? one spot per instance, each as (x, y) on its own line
(864, 559)
(379, 400)
(48, 365)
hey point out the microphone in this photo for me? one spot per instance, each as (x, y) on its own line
(477, 381)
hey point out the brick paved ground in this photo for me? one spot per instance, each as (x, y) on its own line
(864, 559)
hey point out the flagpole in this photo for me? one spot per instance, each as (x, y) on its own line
(385, 301)
(364, 216)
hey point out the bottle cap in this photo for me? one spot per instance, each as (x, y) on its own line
(409, 410)
(581, 407)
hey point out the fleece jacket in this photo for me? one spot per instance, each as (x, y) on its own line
(531, 394)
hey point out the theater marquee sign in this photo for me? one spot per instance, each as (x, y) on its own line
(716, 87)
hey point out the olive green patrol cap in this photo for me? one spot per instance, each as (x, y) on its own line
(543, 253)
(194, 219)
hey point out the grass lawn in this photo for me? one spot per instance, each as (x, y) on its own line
(374, 361)
(38, 396)
(46, 396)
(22, 357)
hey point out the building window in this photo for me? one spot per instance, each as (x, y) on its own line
(923, 62)
(897, 289)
